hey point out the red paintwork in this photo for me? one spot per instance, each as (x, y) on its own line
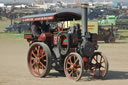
(59, 30)
(27, 36)
(64, 43)
(37, 19)
(85, 59)
(45, 37)
(55, 39)
(42, 37)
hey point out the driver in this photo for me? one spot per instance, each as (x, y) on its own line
(45, 27)
(37, 28)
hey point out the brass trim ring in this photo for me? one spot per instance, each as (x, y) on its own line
(84, 6)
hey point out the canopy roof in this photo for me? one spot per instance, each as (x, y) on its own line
(60, 15)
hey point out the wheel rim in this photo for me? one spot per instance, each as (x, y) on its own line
(37, 60)
(99, 66)
(73, 67)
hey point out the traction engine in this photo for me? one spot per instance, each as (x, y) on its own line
(71, 52)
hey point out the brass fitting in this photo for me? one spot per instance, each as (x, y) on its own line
(84, 5)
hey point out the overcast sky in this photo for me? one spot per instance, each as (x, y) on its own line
(22, 1)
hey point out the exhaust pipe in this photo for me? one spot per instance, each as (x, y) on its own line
(84, 14)
(86, 49)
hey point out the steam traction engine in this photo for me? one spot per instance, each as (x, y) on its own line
(70, 52)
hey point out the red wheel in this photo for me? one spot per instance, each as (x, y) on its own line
(73, 66)
(39, 59)
(99, 65)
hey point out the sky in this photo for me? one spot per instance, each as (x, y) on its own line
(22, 1)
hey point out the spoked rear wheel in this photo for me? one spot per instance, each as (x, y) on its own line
(99, 65)
(73, 66)
(39, 59)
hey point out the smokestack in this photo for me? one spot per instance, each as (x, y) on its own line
(84, 11)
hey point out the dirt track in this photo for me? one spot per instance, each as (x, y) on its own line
(14, 71)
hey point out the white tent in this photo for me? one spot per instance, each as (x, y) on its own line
(2, 5)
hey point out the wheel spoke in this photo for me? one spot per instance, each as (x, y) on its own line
(74, 58)
(71, 60)
(38, 73)
(36, 48)
(43, 65)
(34, 54)
(101, 73)
(37, 66)
(43, 52)
(77, 73)
(44, 60)
(43, 55)
(78, 66)
(102, 66)
(76, 61)
(68, 62)
(33, 64)
(68, 68)
(95, 69)
(32, 58)
(71, 72)
(95, 60)
(101, 59)
(77, 70)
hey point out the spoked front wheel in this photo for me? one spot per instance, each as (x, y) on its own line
(98, 65)
(73, 66)
(39, 59)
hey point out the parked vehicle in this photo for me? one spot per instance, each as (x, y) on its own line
(21, 27)
(122, 22)
(108, 28)
(108, 20)
(67, 50)
(119, 22)
(24, 27)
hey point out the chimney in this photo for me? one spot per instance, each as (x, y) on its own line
(84, 14)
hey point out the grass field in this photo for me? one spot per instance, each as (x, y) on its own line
(123, 32)
(4, 23)
(11, 36)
